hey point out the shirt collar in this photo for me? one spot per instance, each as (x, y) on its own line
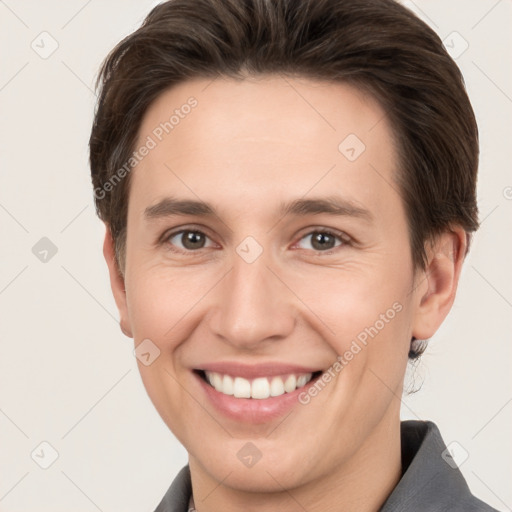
(430, 478)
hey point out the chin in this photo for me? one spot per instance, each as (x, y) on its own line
(275, 470)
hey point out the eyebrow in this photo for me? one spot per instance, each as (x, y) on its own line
(331, 205)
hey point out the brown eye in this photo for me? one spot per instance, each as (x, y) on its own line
(190, 240)
(323, 240)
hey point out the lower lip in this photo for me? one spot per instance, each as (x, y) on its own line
(252, 410)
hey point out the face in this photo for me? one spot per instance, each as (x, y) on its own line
(292, 283)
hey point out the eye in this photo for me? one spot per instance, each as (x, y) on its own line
(190, 240)
(324, 240)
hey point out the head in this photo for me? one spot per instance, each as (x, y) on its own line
(276, 114)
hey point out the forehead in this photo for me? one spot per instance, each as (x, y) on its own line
(262, 139)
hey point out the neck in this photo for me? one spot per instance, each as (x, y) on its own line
(361, 484)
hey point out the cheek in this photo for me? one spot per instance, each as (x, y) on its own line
(161, 300)
(365, 318)
(353, 305)
(158, 304)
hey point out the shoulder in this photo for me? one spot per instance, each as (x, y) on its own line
(431, 480)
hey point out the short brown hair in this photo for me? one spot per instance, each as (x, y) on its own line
(378, 46)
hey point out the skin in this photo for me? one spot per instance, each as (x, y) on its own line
(295, 303)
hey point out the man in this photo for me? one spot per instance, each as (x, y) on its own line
(288, 189)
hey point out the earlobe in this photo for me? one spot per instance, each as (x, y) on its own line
(436, 292)
(116, 282)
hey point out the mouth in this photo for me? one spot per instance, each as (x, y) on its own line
(260, 388)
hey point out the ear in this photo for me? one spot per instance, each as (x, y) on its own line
(116, 282)
(437, 284)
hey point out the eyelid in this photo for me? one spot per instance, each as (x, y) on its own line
(171, 233)
(341, 235)
(323, 229)
(168, 233)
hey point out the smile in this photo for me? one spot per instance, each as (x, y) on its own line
(255, 394)
(259, 388)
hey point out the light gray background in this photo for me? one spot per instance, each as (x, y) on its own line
(68, 375)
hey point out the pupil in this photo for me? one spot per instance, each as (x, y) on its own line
(192, 240)
(320, 239)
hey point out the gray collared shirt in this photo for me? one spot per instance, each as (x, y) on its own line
(430, 482)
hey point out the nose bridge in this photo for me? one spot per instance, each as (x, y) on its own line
(253, 305)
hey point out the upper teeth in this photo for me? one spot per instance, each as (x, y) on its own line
(262, 387)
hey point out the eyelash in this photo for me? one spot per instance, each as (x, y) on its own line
(342, 237)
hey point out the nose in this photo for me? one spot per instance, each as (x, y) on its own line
(254, 306)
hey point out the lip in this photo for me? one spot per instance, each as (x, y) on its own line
(250, 410)
(254, 371)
